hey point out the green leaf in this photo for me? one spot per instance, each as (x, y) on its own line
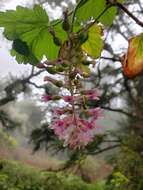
(24, 59)
(60, 33)
(81, 2)
(41, 43)
(21, 47)
(31, 27)
(108, 17)
(94, 8)
(94, 44)
(22, 20)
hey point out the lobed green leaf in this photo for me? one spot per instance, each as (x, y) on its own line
(94, 8)
(94, 44)
(30, 26)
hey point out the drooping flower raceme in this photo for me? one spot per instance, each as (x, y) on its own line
(75, 123)
(76, 128)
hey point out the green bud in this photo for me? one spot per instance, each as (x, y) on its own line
(60, 68)
(82, 37)
(85, 75)
(65, 24)
(65, 64)
(55, 38)
(85, 62)
(56, 97)
(58, 84)
(51, 70)
(57, 41)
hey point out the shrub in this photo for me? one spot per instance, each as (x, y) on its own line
(16, 176)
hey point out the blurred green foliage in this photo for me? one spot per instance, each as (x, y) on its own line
(128, 170)
(6, 140)
(16, 176)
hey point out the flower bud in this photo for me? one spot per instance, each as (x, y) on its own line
(85, 62)
(58, 84)
(57, 41)
(51, 70)
(60, 68)
(56, 97)
(65, 24)
(65, 63)
(82, 37)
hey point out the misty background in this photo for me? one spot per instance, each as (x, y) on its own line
(29, 110)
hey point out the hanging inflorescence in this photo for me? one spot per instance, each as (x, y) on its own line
(75, 123)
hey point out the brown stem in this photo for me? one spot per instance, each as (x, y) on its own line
(122, 7)
(105, 149)
(72, 94)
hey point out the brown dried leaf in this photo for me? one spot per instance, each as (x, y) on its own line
(133, 60)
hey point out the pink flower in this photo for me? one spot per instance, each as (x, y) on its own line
(68, 99)
(58, 111)
(63, 126)
(46, 98)
(95, 112)
(92, 94)
(59, 129)
(85, 138)
(87, 125)
(80, 138)
(74, 131)
(61, 111)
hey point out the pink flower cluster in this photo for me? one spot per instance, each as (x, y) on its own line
(76, 128)
(75, 131)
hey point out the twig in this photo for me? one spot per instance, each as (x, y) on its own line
(35, 85)
(33, 75)
(32, 70)
(122, 7)
(122, 112)
(6, 100)
(110, 58)
(96, 20)
(105, 149)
